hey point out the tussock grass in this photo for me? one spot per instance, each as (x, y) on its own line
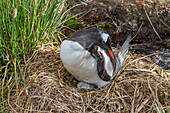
(23, 26)
(141, 86)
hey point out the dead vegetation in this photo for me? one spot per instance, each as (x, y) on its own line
(141, 87)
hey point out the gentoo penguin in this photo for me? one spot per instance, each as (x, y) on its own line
(88, 56)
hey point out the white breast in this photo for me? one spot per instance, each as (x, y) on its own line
(80, 63)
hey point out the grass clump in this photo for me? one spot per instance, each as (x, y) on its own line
(101, 24)
(24, 25)
(72, 23)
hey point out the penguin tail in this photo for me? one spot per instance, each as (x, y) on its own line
(120, 56)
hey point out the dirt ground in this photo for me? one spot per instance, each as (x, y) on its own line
(121, 18)
(147, 20)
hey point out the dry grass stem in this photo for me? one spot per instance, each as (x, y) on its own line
(152, 24)
(50, 88)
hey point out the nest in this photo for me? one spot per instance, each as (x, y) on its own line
(141, 86)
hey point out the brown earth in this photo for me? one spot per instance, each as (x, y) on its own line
(121, 18)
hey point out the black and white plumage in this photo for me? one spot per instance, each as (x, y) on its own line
(88, 56)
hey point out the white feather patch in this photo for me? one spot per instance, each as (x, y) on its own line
(104, 36)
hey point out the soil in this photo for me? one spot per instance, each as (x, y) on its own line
(121, 18)
(150, 22)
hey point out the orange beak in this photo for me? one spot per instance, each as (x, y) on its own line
(110, 53)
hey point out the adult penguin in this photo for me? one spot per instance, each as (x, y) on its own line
(88, 56)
